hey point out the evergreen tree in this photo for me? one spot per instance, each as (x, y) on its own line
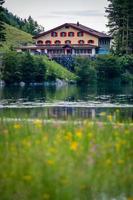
(27, 25)
(120, 15)
(2, 28)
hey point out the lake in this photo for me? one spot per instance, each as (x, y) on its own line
(67, 101)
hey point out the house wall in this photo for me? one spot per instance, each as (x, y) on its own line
(74, 40)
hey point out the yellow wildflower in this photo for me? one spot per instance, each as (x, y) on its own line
(52, 150)
(27, 178)
(45, 138)
(68, 136)
(74, 146)
(90, 124)
(118, 147)
(102, 114)
(120, 162)
(26, 143)
(126, 132)
(50, 162)
(37, 142)
(130, 198)
(79, 134)
(90, 135)
(110, 118)
(108, 161)
(46, 196)
(37, 123)
(117, 110)
(17, 126)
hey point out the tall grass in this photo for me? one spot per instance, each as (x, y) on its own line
(70, 161)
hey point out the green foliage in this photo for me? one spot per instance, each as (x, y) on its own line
(104, 67)
(120, 15)
(27, 25)
(127, 63)
(22, 67)
(127, 77)
(11, 70)
(55, 70)
(2, 27)
(107, 67)
(15, 38)
(127, 68)
(66, 161)
(19, 67)
(85, 70)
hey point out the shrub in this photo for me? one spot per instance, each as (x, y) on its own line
(11, 71)
(85, 70)
(108, 67)
(126, 63)
(22, 67)
(127, 77)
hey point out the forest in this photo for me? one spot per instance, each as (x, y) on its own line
(120, 23)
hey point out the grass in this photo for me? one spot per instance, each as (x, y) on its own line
(15, 38)
(56, 70)
(69, 161)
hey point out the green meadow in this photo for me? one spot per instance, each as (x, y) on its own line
(86, 160)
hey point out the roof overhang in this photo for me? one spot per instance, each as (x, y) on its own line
(73, 26)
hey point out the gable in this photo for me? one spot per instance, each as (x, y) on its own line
(67, 29)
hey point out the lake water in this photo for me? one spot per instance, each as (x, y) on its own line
(63, 101)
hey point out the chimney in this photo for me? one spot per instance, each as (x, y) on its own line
(77, 23)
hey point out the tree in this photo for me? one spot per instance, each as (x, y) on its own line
(27, 25)
(85, 70)
(120, 15)
(2, 27)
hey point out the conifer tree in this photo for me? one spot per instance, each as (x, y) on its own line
(120, 15)
(2, 28)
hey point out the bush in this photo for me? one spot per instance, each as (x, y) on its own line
(85, 70)
(22, 67)
(11, 71)
(126, 63)
(127, 77)
(108, 67)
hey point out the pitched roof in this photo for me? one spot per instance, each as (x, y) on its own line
(77, 26)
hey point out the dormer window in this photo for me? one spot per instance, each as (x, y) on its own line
(80, 34)
(48, 42)
(81, 41)
(71, 34)
(54, 34)
(57, 42)
(63, 34)
(39, 42)
(91, 41)
(67, 42)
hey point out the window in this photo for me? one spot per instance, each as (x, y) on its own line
(57, 42)
(54, 34)
(91, 41)
(71, 34)
(39, 42)
(63, 34)
(67, 42)
(81, 42)
(48, 42)
(80, 34)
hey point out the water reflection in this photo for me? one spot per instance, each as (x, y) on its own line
(93, 94)
(63, 102)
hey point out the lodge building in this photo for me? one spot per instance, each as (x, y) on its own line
(70, 39)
